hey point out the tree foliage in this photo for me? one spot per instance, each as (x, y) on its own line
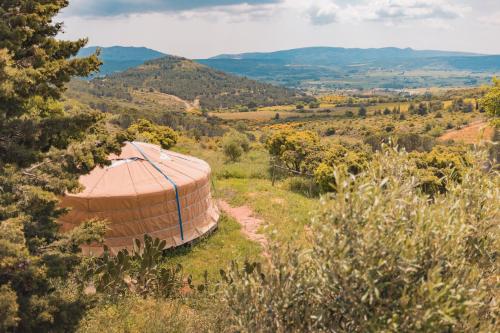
(234, 144)
(191, 81)
(43, 150)
(384, 258)
(338, 158)
(293, 148)
(491, 101)
(144, 130)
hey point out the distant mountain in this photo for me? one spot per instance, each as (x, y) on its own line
(119, 58)
(344, 67)
(338, 56)
(192, 82)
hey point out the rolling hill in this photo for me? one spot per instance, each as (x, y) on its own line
(192, 82)
(119, 58)
(335, 67)
(339, 56)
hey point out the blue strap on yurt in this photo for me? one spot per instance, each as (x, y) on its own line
(169, 180)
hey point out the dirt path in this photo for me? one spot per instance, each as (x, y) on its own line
(249, 223)
(470, 134)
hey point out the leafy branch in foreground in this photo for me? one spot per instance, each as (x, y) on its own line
(385, 257)
(43, 151)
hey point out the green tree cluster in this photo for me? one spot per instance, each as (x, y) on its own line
(301, 151)
(295, 149)
(43, 150)
(191, 81)
(339, 158)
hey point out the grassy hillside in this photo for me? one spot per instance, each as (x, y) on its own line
(192, 82)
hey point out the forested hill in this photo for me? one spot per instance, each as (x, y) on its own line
(191, 81)
(119, 58)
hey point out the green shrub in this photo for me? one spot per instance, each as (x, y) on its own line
(141, 272)
(383, 258)
(436, 131)
(362, 111)
(232, 150)
(294, 148)
(491, 101)
(314, 105)
(144, 130)
(234, 144)
(409, 141)
(330, 131)
(349, 114)
(8, 308)
(339, 159)
(441, 167)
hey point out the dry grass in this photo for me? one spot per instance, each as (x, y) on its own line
(165, 100)
(279, 108)
(257, 115)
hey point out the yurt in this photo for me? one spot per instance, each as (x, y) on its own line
(145, 190)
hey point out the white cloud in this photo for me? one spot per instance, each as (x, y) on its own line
(416, 9)
(234, 13)
(389, 11)
(323, 12)
(317, 12)
(109, 8)
(493, 19)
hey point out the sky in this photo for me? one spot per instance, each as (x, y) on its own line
(204, 28)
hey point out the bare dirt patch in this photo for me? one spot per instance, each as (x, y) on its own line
(249, 223)
(168, 100)
(471, 134)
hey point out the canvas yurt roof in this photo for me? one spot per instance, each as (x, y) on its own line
(146, 190)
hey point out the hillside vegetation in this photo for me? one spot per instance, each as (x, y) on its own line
(369, 220)
(337, 68)
(191, 81)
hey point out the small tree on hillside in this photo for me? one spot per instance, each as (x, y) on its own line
(491, 101)
(234, 144)
(293, 148)
(362, 111)
(422, 109)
